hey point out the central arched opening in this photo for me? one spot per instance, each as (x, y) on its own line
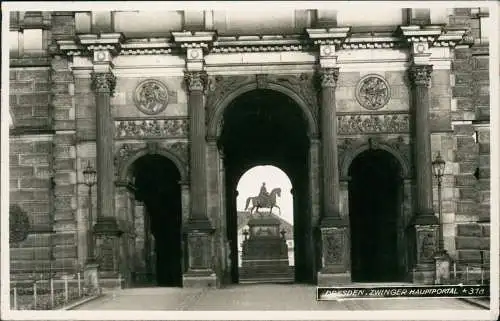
(266, 127)
(265, 235)
(157, 188)
(375, 196)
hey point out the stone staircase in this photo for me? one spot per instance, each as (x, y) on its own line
(265, 275)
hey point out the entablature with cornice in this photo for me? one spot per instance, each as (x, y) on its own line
(340, 37)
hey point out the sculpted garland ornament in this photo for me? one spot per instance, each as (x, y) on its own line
(151, 97)
(372, 92)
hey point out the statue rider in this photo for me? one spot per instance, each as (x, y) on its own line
(263, 191)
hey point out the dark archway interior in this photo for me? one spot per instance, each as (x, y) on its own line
(264, 127)
(374, 208)
(157, 185)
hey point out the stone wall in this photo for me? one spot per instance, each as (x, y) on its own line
(471, 138)
(65, 167)
(42, 162)
(30, 188)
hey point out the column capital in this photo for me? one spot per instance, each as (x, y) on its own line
(103, 82)
(420, 75)
(328, 77)
(196, 80)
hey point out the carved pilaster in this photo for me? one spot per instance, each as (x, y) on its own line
(199, 228)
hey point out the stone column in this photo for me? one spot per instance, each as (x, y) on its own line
(330, 175)
(200, 230)
(197, 128)
(106, 228)
(334, 236)
(424, 220)
(420, 76)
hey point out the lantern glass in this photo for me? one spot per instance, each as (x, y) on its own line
(438, 166)
(89, 175)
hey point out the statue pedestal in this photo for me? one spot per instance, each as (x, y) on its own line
(265, 252)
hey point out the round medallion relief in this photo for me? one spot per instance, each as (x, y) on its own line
(372, 92)
(151, 97)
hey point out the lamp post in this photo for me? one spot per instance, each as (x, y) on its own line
(442, 259)
(438, 166)
(90, 177)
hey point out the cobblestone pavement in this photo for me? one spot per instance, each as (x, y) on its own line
(254, 297)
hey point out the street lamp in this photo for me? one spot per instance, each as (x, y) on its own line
(90, 178)
(438, 165)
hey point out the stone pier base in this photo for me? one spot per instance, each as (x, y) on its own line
(91, 277)
(424, 274)
(334, 279)
(199, 280)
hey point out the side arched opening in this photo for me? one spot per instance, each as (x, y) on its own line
(158, 221)
(376, 195)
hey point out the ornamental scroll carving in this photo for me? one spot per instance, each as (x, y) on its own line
(360, 124)
(303, 85)
(220, 86)
(103, 82)
(151, 128)
(19, 224)
(420, 75)
(426, 245)
(349, 148)
(151, 97)
(127, 151)
(196, 80)
(328, 77)
(372, 92)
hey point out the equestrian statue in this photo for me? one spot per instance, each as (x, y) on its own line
(264, 200)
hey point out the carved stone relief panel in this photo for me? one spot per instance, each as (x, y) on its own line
(220, 86)
(349, 147)
(372, 92)
(426, 243)
(128, 150)
(151, 128)
(333, 246)
(362, 124)
(303, 85)
(151, 97)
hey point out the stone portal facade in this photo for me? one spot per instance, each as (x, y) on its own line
(109, 87)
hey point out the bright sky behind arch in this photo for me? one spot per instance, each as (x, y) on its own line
(250, 183)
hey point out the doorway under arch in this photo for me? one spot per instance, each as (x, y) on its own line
(375, 205)
(157, 187)
(266, 127)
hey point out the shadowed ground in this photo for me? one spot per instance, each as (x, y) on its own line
(255, 297)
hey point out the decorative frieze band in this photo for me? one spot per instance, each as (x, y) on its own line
(340, 37)
(151, 128)
(371, 42)
(363, 124)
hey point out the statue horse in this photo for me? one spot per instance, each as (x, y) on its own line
(262, 201)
